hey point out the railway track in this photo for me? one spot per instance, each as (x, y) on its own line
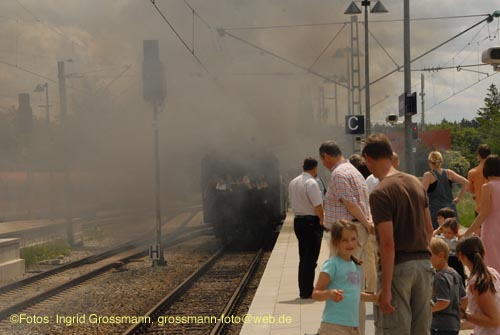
(142, 240)
(18, 296)
(205, 301)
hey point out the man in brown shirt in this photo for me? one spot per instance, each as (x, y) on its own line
(475, 175)
(402, 219)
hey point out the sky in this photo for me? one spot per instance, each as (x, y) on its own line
(106, 35)
(252, 81)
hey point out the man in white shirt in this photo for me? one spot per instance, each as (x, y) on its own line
(307, 203)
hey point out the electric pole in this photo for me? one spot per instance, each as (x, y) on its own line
(61, 75)
(410, 168)
(422, 95)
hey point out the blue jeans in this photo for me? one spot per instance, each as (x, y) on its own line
(411, 296)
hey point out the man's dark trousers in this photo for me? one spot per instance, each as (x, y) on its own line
(309, 234)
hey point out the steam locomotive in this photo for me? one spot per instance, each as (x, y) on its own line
(244, 199)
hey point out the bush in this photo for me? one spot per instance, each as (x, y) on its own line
(455, 161)
(36, 253)
(465, 209)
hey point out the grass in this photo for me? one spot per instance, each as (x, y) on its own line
(92, 232)
(40, 252)
(466, 208)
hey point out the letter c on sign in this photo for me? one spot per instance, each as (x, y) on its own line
(353, 123)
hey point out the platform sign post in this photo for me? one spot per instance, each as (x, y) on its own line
(155, 252)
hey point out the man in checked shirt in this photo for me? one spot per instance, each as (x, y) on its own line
(347, 198)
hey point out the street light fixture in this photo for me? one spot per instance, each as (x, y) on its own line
(353, 9)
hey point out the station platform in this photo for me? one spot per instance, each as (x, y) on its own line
(278, 293)
(18, 227)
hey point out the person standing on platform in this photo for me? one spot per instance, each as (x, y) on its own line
(359, 163)
(483, 289)
(371, 181)
(449, 295)
(400, 212)
(475, 175)
(371, 250)
(437, 183)
(339, 283)
(489, 216)
(450, 237)
(307, 203)
(347, 198)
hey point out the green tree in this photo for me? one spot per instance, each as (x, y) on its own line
(466, 140)
(456, 162)
(489, 118)
(492, 110)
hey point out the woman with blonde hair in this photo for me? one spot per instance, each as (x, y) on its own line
(437, 182)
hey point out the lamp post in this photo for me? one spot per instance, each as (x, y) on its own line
(45, 88)
(352, 10)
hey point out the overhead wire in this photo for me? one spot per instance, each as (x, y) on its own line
(283, 59)
(214, 79)
(46, 24)
(468, 44)
(285, 26)
(225, 31)
(338, 23)
(191, 51)
(385, 51)
(197, 14)
(431, 50)
(127, 67)
(20, 68)
(438, 68)
(171, 26)
(327, 46)
(52, 80)
(462, 90)
(431, 18)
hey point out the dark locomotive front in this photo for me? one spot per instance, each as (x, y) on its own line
(244, 199)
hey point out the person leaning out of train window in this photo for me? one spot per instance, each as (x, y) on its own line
(261, 182)
(437, 182)
(245, 180)
(224, 184)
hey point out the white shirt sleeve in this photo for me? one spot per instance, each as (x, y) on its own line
(371, 182)
(313, 192)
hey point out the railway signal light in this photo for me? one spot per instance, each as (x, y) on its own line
(414, 130)
(153, 79)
